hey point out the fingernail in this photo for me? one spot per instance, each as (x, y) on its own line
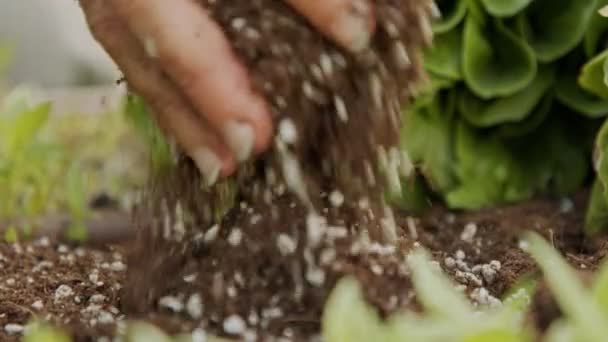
(240, 137)
(208, 163)
(150, 47)
(353, 26)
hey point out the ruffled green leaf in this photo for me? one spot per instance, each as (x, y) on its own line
(444, 57)
(513, 108)
(592, 77)
(598, 25)
(432, 122)
(554, 27)
(531, 123)
(569, 93)
(452, 13)
(496, 62)
(505, 8)
(414, 195)
(491, 170)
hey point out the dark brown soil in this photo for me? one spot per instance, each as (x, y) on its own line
(273, 288)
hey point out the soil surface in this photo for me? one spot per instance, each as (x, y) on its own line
(81, 288)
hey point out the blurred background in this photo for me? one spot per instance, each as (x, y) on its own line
(51, 51)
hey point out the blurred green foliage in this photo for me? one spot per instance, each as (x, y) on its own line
(54, 164)
(515, 97)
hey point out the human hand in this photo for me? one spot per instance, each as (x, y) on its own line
(178, 59)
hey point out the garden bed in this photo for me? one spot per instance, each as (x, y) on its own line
(80, 288)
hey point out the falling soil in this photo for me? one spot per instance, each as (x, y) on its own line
(35, 272)
(264, 249)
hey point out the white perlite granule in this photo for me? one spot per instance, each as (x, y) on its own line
(194, 306)
(469, 232)
(288, 131)
(13, 329)
(286, 244)
(62, 292)
(235, 237)
(234, 325)
(336, 198)
(37, 305)
(172, 303)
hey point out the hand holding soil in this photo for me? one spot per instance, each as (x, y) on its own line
(176, 57)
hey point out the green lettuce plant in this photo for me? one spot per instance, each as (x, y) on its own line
(515, 97)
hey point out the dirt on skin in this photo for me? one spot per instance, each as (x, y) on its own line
(36, 271)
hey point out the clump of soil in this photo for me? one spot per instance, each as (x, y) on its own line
(310, 210)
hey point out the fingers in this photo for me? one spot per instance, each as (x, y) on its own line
(195, 54)
(172, 111)
(348, 22)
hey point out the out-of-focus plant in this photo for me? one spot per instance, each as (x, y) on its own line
(585, 311)
(145, 332)
(513, 102)
(55, 164)
(447, 316)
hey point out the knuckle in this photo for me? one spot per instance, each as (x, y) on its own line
(105, 27)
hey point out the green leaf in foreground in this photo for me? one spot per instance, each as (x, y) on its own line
(496, 61)
(42, 332)
(583, 316)
(347, 317)
(448, 316)
(555, 27)
(145, 332)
